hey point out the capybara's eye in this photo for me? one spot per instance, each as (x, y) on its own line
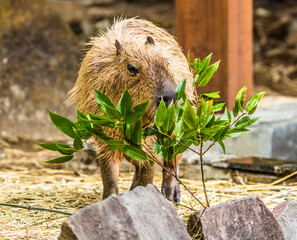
(132, 69)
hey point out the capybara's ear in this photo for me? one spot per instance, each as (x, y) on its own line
(150, 41)
(118, 47)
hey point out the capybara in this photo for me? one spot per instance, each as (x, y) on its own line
(136, 54)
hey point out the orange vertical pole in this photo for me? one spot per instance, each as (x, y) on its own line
(223, 27)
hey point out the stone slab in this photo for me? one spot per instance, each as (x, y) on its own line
(258, 164)
(242, 219)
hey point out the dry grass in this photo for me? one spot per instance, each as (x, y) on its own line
(24, 179)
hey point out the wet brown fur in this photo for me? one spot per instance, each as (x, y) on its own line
(161, 65)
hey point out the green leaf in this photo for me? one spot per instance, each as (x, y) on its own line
(63, 124)
(134, 153)
(235, 110)
(204, 112)
(228, 114)
(84, 126)
(170, 118)
(251, 105)
(188, 116)
(233, 133)
(100, 134)
(180, 90)
(196, 63)
(101, 120)
(160, 114)
(179, 149)
(216, 64)
(218, 106)
(157, 147)
(114, 145)
(204, 64)
(53, 146)
(67, 151)
(103, 101)
(214, 130)
(178, 130)
(166, 153)
(128, 131)
(188, 60)
(206, 75)
(189, 133)
(136, 113)
(101, 98)
(125, 103)
(113, 113)
(221, 133)
(60, 159)
(210, 95)
(222, 146)
(179, 110)
(62, 148)
(137, 133)
(246, 122)
(240, 98)
(217, 125)
(78, 144)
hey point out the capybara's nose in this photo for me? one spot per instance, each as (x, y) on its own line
(167, 98)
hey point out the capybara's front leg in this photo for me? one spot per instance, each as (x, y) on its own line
(170, 186)
(110, 174)
(135, 178)
(144, 173)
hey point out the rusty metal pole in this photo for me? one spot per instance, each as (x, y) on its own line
(223, 27)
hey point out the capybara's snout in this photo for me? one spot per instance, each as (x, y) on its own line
(168, 95)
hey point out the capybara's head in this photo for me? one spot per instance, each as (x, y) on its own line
(111, 68)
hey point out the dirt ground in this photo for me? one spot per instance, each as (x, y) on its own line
(27, 181)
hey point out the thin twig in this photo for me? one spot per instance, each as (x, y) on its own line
(202, 173)
(284, 178)
(35, 208)
(211, 145)
(181, 205)
(176, 177)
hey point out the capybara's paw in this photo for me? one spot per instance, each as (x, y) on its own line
(170, 187)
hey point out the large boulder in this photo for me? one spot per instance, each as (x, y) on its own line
(39, 60)
(243, 219)
(141, 214)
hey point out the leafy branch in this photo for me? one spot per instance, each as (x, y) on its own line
(175, 128)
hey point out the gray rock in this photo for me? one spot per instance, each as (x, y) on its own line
(142, 213)
(153, 215)
(39, 61)
(106, 220)
(242, 219)
(286, 214)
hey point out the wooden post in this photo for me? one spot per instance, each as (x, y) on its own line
(223, 27)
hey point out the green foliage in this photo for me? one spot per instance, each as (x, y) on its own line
(175, 128)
